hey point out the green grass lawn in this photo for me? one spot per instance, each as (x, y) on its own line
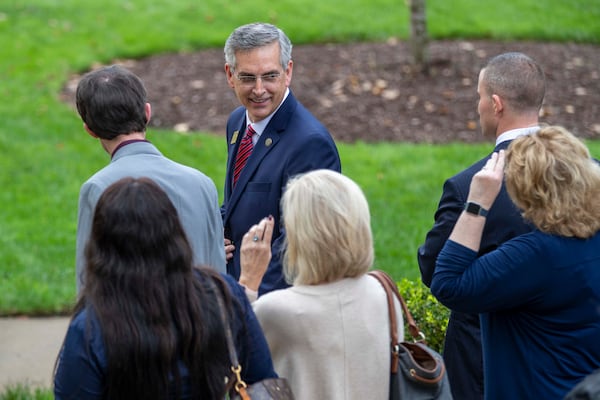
(25, 392)
(46, 155)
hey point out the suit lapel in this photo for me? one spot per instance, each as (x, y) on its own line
(267, 141)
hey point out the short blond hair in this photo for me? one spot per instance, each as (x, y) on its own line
(551, 177)
(328, 229)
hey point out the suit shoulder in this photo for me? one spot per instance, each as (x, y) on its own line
(307, 129)
(236, 115)
(96, 183)
(467, 173)
(190, 170)
(308, 118)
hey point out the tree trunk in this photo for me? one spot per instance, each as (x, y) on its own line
(418, 34)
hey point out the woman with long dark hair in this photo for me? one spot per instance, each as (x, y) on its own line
(147, 324)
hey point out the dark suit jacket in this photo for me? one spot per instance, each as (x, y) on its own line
(462, 348)
(293, 142)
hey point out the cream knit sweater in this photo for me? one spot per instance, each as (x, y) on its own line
(330, 341)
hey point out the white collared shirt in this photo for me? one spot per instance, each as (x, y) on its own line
(515, 133)
(260, 126)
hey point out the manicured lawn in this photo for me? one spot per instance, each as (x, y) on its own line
(46, 155)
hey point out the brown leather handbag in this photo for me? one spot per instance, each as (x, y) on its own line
(417, 371)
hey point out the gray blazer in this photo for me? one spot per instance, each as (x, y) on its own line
(194, 195)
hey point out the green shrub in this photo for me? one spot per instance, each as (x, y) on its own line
(430, 316)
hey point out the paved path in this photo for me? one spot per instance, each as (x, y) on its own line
(28, 349)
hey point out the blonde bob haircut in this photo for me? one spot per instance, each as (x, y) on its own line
(551, 177)
(328, 229)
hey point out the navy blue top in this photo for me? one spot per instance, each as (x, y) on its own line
(82, 362)
(539, 299)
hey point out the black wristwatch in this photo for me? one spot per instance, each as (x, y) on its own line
(475, 209)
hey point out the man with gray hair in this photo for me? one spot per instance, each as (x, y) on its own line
(270, 138)
(511, 90)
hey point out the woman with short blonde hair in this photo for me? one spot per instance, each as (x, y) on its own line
(329, 332)
(331, 236)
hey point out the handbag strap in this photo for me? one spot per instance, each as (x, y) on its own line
(236, 368)
(391, 289)
(393, 321)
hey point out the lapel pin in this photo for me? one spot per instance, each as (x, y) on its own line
(234, 137)
(268, 142)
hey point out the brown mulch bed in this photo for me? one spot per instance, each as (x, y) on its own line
(370, 92)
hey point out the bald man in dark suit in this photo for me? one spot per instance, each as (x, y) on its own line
(511, 90)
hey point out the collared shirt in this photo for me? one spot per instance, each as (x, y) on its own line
(515, 133)
(125, 143)
(260, 126)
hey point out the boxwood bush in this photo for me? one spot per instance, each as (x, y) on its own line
(430, 315)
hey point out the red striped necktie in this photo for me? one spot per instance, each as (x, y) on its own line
(243, 153)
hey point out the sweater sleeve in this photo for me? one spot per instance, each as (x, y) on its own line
(252, 349)
(509, 276)
(79, 373)
(451, 263)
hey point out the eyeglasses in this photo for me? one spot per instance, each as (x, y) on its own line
(250, 80)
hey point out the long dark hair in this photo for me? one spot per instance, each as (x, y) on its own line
(154, 309)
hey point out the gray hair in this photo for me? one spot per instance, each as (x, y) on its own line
(518, 79)
(258, 34)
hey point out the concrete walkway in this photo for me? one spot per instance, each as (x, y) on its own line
(28, 349)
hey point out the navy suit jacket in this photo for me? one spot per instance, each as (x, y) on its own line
(293, 142)
(462, 347)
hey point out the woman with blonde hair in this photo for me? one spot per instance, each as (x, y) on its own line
(329, 332)
(538, 294)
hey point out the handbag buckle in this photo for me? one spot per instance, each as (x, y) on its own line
(420, 339)
(239, 384)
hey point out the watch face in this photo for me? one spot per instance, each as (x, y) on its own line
(473, 208)
(476, 209)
